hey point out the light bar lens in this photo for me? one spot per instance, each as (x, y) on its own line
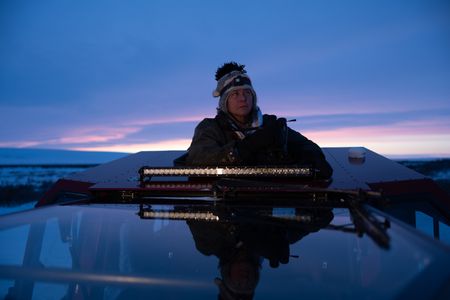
(227, 171)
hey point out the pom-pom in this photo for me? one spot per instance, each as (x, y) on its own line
(229, 67)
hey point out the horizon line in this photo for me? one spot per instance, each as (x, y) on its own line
(390, 156)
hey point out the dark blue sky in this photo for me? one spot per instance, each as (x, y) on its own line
(138, 75)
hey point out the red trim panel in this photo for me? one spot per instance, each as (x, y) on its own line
(62, 186)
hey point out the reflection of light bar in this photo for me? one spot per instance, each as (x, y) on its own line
(227, 171)
(210, 216)
(177, 186)
(297, 218)
(207, 216)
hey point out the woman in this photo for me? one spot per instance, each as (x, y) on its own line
(241, 135)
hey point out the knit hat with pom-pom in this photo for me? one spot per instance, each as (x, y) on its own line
(231, 76)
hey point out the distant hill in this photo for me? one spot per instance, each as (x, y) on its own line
(28, 156)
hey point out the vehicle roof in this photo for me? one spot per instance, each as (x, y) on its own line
(337, 246)
(347, 173)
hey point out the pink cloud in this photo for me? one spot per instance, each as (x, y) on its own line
(19, 144)
(94, 135)
(415, 138)
(156, 121)
(176, 144)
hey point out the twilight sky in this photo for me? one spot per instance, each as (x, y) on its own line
(138, 75)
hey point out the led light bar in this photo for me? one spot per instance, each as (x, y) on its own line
(173, 215)
(226, 171)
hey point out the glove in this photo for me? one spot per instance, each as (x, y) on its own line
(269, 120)
(281, 142)
(263, 138)
(325, 170)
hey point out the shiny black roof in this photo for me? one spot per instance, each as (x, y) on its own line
(110, 251)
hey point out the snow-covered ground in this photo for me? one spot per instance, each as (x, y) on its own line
(34, 175)
(25, 174)
(443, 175)
(28, 183)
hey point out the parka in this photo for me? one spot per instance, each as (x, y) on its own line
(214, 143)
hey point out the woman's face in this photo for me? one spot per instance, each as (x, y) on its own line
(240, 103)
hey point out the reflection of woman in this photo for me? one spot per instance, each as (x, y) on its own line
(240, 274)
(240, 248)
